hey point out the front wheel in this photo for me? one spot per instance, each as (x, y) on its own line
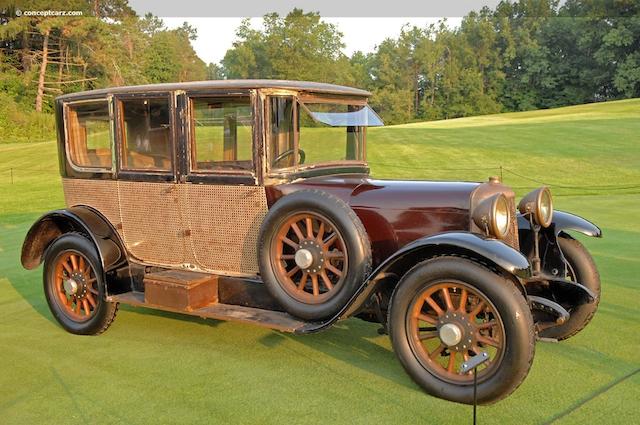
(74, 286)
(582, 269)
(448, 309)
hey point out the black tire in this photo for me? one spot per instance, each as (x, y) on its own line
(350, 229)
(104, 312)
(507, 370)
(584, 271)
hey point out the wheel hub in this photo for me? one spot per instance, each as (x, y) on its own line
(450, 334)
(456, 331)
(303, 258)
(70, 286)
(309, 256)
(75, 285)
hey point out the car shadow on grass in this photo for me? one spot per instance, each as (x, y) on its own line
(354, 342)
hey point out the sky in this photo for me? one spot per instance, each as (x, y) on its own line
(216, 35)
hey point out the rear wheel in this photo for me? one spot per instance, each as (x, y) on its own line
(74, 286)
(582, 269)
(448, 309)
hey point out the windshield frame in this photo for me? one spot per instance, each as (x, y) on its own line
(319, 168)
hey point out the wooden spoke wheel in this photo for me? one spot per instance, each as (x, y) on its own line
(75, 284)
(448, 309)
(310, 258)
(449, 323)
(314, 253)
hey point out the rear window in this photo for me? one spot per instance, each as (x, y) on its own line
(89, 134)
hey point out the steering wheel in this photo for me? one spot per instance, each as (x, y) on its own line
(290, 152)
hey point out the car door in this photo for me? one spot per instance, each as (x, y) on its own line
(152, 227)
(222, 200)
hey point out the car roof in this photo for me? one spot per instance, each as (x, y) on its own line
(308, 86)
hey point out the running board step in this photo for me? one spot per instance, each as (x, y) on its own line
(266, 318)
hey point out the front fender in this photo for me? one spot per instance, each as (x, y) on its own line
(76, 219)
(567, 221)
(492, 250)
(472, 245)
(563, 221)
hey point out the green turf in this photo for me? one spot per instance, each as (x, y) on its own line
(165, 368)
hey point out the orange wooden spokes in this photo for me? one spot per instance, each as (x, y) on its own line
(469, 313)
(324, 260)
(75, 283)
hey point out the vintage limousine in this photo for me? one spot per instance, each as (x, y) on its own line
(252, 201)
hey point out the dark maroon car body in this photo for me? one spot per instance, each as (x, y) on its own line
(394, 212)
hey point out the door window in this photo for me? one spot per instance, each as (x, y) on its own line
(146, 134)
(221, 134)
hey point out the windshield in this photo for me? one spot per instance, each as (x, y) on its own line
(343, 115)
(327, 132)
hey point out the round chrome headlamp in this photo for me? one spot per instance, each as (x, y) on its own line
(539, 204)
(493, 215)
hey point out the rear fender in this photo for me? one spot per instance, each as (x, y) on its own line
(75, 219)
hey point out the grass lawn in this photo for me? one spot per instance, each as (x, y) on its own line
(165, 368)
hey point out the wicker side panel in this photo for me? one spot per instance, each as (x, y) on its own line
(224, 221)
(151, 222)
(102, 195)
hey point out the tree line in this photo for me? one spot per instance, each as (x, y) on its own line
(521, 55)
(109, 45)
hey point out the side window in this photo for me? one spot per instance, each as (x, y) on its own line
(221, 134)
(146, 134)
(281, 137)
(89, 134)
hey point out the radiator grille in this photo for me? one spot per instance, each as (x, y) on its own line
(512, 238)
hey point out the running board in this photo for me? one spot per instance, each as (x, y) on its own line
(266, 318)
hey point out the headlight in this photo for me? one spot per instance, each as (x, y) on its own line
(540, 204)
(494, 215)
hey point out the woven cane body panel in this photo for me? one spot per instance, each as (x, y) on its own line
(224, 221)
(211, 228)
(101, 195)
(152, 222)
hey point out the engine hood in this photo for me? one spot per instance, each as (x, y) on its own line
(361, 191)
(412, 195)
